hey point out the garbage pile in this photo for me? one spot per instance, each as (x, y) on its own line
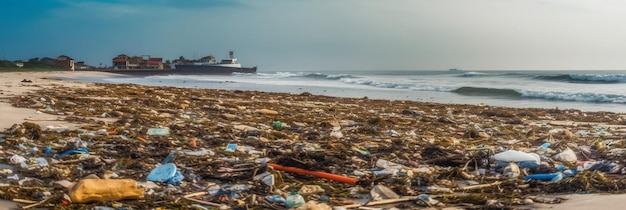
(182, 148)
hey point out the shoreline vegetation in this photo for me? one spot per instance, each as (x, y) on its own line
(34, 64)
(220, 136)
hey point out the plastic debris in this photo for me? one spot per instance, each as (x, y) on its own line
(380, 192)
(158, 131)
(102, 190)
(335, 153)
(294, 201)
(165, 173)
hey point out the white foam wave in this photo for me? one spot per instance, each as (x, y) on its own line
(580, 97)
(337, 76)
(472, 74)
(600, 77)
(393, 85)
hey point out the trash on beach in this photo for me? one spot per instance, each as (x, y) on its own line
(101, 190)
(178, 148)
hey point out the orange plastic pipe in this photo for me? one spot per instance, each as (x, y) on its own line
(193, 142)
(141, 139)
(319, 174)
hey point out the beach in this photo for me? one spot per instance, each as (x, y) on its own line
(265, 121)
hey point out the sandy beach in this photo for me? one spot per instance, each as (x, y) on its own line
(13, 88)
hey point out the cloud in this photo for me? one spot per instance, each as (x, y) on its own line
(326, 34)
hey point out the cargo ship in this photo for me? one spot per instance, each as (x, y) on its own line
(225, 66)
(205, 66)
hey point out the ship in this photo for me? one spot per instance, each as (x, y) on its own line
(225, 66)
(204, 66)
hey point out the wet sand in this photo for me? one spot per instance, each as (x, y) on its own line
(12, 87)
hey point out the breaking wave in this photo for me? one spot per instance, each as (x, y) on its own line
(327, 76)
(495, 92)
(477, 91)
(586, 78)
(473, 74)
(579, 97)
(395, 85)
(278, 75)
(556, 96)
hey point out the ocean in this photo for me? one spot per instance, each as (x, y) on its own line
(580, 90)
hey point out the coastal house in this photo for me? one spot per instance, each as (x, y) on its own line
(65, 62)
(123, 61)
(135, 62)
(154, 63)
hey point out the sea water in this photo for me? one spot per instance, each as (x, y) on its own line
(582, 90)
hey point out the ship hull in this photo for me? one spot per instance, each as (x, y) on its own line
(183, 70)
(213, 69)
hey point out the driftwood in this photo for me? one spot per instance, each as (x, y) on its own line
(189, 198)
(478, 186)
(36, 204)
(382, 202)
(23, 201)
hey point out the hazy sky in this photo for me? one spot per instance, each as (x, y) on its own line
(293, 35)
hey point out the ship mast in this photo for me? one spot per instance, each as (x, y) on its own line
(231, 54)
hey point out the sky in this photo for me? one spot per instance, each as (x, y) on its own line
(326, 35)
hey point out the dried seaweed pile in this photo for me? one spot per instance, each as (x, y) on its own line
(414, 149)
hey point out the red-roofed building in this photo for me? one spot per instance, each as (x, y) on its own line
(154, 63)
(121, 62)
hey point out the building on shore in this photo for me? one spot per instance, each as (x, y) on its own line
(65, 62)
(124, 61)
(121, 62)
(62, 61)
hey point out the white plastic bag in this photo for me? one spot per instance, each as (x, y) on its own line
(566, 155)
(516, 156)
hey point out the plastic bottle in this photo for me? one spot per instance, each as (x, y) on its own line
(275, 199)
(553, 177)
(294, 201)
(159, 131)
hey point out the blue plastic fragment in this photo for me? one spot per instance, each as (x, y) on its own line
(324, 198)
(231, 148)
(275, 199)
(162, 173)
(169, 158)
(48, 150)
(553, 177)
(73, 151)
(177, 178)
